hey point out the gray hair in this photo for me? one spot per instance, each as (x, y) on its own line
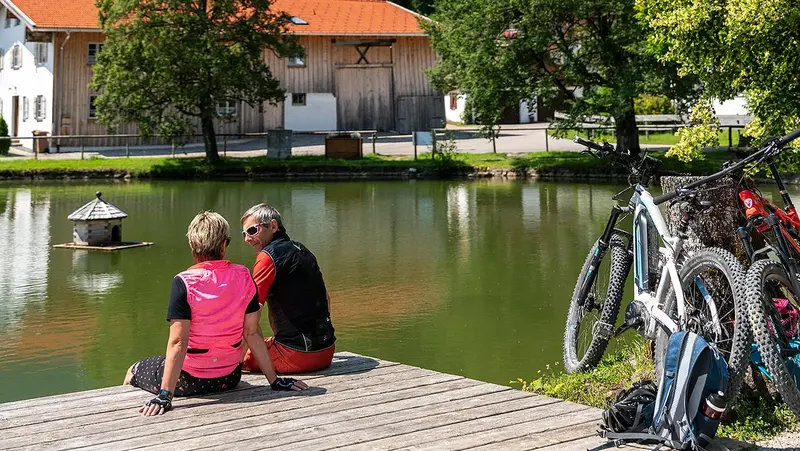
(207, 234)
(264, 213)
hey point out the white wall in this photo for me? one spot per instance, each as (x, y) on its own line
(27, 82)
(456, 115)
(526, 116)
(318, 114)
(735, 106)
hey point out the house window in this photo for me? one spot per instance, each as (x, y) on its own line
(25, 109)
(226, 108)
(16, 57)
(299, 99)
(11, 20)
(92, 108)
(94, 49)
(40, 53)
(453, 100)
(299, 60)
(39, 108)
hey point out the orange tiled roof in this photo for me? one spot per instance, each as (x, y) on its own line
(333, 17)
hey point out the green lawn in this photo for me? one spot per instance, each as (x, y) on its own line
(663, 138)
(198, 168)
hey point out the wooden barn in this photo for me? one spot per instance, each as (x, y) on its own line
(362, 69)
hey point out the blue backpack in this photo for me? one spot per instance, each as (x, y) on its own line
(693, 369)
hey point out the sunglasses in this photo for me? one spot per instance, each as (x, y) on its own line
(252, 230)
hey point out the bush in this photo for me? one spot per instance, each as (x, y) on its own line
(6, 143)
(650, 104)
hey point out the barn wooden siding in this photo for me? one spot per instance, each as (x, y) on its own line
(391, 92)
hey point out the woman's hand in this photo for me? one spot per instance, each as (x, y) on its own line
(287, 384)
(158, 405)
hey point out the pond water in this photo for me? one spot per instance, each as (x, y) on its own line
(464, 277)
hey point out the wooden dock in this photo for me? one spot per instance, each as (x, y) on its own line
(359, 403)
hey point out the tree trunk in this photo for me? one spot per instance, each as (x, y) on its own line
(715, 228)
(627, 131)
(209, 135)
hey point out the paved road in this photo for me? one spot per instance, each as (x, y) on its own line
(512, 139)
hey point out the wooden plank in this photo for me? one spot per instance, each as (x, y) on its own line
(363, 66)
(554, 416)
(138, 431)
(530, 435)
(591, 442)
(79, 407)
(283, 427)
(128, 416)
(343, 364)
(347, 430)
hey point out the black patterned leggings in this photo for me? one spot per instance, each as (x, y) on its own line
(147, 375)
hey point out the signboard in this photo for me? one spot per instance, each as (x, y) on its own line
(423, 138)
(38, 36)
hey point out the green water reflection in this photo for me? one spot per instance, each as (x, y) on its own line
(470, 278)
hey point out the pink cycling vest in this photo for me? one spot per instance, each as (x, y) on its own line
(218, 293)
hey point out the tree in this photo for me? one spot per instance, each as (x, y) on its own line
(424, 7)
(591, 54)
(734, 47)
(166, 64)
(5, 144)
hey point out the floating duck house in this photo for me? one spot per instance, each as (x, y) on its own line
(97, 223)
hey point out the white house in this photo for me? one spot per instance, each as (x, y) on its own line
(455, 103)
(26, 77)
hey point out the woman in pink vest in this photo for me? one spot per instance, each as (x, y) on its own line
(212, 306)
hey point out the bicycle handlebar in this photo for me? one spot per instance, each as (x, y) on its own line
(589, 144)
(788, 138)
(769, 147)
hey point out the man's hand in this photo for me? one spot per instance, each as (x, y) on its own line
(288, 384)
(158, 405)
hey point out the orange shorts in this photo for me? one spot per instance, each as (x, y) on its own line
(289, 361)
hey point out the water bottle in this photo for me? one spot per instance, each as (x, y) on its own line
(714, 407)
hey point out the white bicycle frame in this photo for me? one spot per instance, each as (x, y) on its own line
(646, 210)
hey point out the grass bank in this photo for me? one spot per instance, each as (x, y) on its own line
(663, 138)
(454, 164)
(754, 419)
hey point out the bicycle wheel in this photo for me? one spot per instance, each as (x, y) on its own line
(712, 280)
(765, 281)
(591, 320)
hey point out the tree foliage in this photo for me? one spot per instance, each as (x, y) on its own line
(167, 64)
(703, 131)
(5, 144)
(734, 47)
(590, 54)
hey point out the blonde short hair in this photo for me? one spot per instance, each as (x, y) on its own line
(207, 233)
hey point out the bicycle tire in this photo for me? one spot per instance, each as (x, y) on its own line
(738, 355)
(619, 266)
(759, 274)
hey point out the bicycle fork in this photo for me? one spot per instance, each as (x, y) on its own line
(602, 247)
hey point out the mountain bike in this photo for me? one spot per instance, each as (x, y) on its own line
(704, 295)
(772, 285)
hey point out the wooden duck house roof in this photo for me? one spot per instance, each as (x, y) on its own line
(97, 209)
